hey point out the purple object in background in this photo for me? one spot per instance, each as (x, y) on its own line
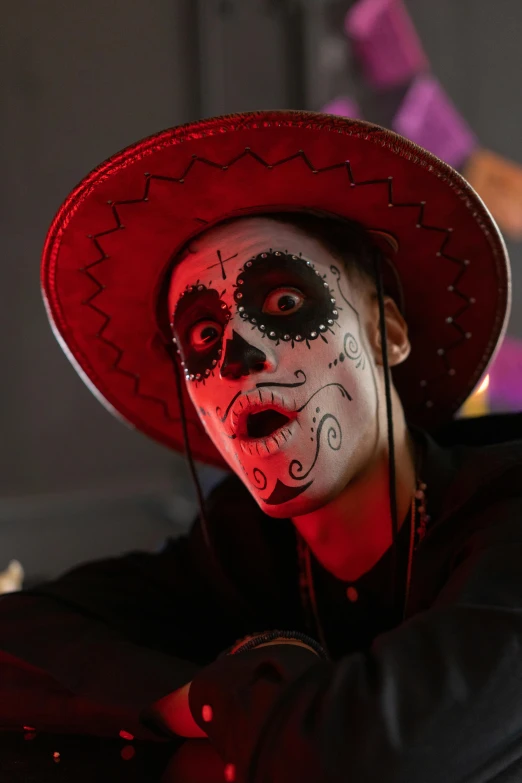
(428, 117)
(505, 377)
(343, 107)
(386, 42)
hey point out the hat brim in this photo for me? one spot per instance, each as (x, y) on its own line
(112, 242)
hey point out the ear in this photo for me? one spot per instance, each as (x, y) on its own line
(398, 343)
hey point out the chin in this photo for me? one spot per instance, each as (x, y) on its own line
(306, 503)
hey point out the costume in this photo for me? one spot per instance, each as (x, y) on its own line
(114, 636)
(401, 673)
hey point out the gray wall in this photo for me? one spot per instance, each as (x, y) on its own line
(78, 81)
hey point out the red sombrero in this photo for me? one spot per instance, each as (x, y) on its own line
(111, 245)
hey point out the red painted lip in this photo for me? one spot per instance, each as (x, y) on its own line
(244, 407)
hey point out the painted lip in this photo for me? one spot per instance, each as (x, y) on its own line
(246, 405)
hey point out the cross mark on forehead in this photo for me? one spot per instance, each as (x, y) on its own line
(221, 263)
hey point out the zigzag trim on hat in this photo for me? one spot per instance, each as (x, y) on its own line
(388, 183)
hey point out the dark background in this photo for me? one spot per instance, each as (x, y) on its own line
(79, 80)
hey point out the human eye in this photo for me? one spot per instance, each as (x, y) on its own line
(204, 334)
(284, 300)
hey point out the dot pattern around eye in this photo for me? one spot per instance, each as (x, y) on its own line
(199, 304)
(265, 273)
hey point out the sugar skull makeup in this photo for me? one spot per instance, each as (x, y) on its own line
(275, 362)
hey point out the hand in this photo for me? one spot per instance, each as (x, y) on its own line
(243, 690)
(172, 714)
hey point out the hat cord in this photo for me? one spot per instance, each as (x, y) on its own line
(389, 418)
(190, 458)
(227, 586)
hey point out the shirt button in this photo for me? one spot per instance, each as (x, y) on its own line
(352, 594)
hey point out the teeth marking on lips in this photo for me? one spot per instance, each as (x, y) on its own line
(248, 446)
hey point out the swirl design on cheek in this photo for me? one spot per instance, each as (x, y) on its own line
(341, 388)
(228, 408)
(334, 439)
(337, 274)
(352, 348)
(260, 479)
(354, 351)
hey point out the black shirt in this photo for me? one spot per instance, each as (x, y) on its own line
(436, 697)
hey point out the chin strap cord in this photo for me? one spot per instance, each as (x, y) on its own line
(389, 417)
(228, 586)
(188, 455)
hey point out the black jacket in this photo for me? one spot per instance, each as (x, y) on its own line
(437, 697)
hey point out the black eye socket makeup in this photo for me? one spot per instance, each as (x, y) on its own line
(199, 323)
(285, 297)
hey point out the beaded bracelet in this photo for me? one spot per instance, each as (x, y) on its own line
(251, 642)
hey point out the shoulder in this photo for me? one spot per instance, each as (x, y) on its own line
(492, 471)
(481, 504)
(474, 476)
(479, 508)
(473, 458)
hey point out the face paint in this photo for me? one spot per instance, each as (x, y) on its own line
(201, 317)
(274, 358)
(266, 297)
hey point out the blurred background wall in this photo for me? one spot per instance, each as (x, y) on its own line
(79, 80)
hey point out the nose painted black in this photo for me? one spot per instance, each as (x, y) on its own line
(241, 358)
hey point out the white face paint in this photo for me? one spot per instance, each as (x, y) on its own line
(274, 349)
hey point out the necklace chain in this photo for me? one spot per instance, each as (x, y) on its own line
(419, 521)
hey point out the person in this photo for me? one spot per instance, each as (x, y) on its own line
(307, 300)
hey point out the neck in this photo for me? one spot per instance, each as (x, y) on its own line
(352, 532)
